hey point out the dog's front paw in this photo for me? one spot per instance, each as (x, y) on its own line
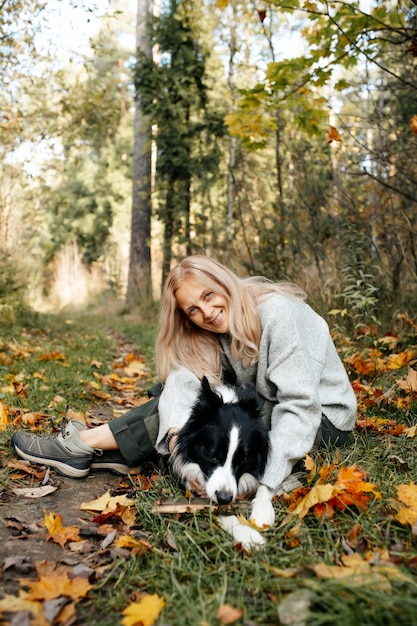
(243, 534)
(263, 514)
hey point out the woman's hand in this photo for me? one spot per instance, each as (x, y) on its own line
(172, 436)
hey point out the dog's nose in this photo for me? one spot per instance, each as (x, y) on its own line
(224, 497)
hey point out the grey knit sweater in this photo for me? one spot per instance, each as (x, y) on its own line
(299, 371)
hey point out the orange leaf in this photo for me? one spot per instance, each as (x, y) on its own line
(395, 361)
(145, 612)
(56, 355)
(58, 532)
(227, 614)
(333, 135)
(413, 121)
(56, 585)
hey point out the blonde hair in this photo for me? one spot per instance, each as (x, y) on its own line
(180, 342)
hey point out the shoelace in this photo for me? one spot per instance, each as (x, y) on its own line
(64, 421)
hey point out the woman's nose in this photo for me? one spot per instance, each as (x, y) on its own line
(206, 310)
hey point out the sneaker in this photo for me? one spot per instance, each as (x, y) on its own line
(65, 451)
(110, 461)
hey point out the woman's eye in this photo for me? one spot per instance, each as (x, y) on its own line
(208, 295)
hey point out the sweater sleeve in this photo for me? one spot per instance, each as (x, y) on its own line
(180, 393)
(296, 415)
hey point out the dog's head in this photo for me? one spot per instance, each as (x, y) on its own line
(224, 443)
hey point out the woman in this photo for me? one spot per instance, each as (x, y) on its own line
(216, 324)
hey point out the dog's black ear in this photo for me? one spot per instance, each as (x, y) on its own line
(250, 400)
(208, 398)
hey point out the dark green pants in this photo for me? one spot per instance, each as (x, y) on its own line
(136, 431)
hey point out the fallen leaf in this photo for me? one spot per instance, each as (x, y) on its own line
(315, 495)
(107, 503)
(410, 383)
(407, 506)
(145, 612)
(228, 614)
(14, 604)
(57, 585)
(58, 532)
(135, 368)
(293, 610)
(138, 546)
(4, 417)
(34, 492)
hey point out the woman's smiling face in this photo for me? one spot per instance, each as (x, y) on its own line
(203, 306)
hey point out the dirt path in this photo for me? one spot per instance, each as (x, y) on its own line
(23, 537)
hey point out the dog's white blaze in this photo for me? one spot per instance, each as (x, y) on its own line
(228, 394)
(222, 478)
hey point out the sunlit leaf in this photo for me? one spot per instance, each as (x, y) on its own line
(58, 532)
(56, 585)
(4, 417)
(407, 509)
(145, 612)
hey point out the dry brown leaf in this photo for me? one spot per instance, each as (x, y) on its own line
(34, 492)
(145, 612)
(410, 383)
(333, 134)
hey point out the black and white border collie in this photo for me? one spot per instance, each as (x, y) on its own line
(224, 447)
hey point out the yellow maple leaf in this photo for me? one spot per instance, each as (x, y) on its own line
(317, 494)
(107, 503)
(395, 361)
(58, 532)
(145, 612)
(407, 509)
(4, 417)
(138, 546)
(135, 368)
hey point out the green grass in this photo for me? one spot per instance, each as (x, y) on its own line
(192, 563)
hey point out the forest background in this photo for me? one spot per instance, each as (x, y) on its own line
(278, 137)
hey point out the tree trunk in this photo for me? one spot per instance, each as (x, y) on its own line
(139, 286)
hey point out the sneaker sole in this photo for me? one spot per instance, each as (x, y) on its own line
(61, 468)
(115, 468)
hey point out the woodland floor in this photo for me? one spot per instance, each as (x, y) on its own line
(343, 551)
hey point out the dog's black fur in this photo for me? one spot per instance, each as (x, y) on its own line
(224, 445)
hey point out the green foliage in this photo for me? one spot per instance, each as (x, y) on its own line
(13, 306)
(359, 295)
